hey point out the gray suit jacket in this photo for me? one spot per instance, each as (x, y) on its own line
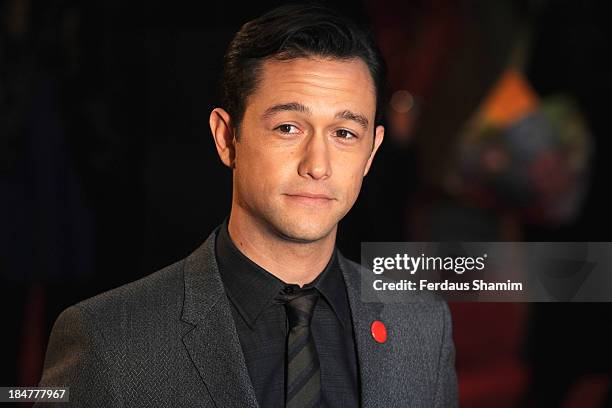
(169, 340)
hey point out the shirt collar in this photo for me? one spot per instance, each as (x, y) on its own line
(251, 288)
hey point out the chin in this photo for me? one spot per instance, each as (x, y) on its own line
(304, 231)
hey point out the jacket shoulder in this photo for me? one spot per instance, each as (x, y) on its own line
(117, 330)
(138, 315)
(161, 290)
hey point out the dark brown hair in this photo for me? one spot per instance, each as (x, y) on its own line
(289, 32)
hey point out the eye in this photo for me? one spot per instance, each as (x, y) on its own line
(345, 134)
(286, 128)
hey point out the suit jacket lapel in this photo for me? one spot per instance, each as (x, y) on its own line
(363, 315)
(382, 366)
(213, 343)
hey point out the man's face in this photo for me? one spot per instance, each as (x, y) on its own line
(306, 141)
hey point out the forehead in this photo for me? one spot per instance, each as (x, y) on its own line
(320, 83)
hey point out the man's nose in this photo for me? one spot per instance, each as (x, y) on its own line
(315, 161)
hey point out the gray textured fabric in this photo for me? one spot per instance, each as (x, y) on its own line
(169, 340)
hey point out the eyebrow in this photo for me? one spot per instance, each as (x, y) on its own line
(361, 120)
(355, 117)
(283, 107)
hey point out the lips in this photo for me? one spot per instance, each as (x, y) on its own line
(311, 195)
(310, 199)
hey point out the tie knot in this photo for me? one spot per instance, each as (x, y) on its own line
(300, 304)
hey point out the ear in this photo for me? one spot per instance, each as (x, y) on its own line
(378, 138)
(223, 134)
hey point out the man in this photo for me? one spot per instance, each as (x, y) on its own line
(267, 312)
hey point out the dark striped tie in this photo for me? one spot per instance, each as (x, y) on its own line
(303, 385)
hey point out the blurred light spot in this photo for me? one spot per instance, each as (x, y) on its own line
(402, 101)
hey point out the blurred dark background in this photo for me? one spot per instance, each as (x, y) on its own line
(497, 130)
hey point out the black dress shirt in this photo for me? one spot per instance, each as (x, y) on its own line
(262, 327)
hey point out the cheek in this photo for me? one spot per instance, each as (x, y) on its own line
(262, 171)
(246, 172)
(350, 181)
(356, 187)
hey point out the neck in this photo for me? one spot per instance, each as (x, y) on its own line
(292, 262)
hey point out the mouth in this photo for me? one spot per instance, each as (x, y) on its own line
(310, 198)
